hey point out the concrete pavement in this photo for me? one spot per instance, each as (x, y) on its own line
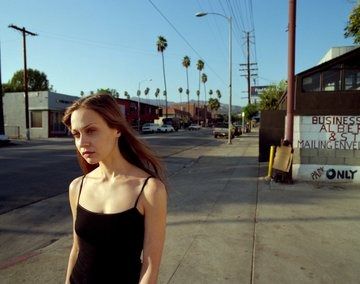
(226, 224)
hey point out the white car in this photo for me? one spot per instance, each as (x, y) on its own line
(166, 128)
(150, 127)
(194, 127)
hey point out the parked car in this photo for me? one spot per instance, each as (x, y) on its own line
(165, 128)
(150, 127)
(237, 130)
(4, 139)
(222, 130)
(173, 121)
(194, 127)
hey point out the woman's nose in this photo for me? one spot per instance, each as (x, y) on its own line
(83, 141)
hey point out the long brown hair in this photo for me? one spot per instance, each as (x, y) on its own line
(134, 150)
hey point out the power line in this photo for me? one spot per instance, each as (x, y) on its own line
(184, 39)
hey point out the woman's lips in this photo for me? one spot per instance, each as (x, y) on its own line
(87, 154)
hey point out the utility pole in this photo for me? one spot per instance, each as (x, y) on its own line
(248, 69)
(291, 71)
(2, 130)
(24, 33)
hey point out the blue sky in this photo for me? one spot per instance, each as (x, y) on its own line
(85, 45)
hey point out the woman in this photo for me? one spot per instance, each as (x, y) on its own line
(119, 205)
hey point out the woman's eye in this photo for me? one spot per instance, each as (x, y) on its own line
(90, 131)
(76, 134)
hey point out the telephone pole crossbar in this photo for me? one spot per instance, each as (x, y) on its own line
(248, 68)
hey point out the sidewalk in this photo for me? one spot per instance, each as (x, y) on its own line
(304, 233)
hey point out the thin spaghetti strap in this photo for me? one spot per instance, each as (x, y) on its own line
(81, 185)
(142, 189)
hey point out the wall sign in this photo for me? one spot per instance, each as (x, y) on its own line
(327, 132)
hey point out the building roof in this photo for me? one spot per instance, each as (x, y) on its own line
(335, 52)
(327, 64)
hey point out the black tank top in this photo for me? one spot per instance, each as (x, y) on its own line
(110, 245)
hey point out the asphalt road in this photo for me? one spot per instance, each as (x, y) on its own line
(34, 177)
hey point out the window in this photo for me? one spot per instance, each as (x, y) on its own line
(311, 83)
(36, 119)
(331, 80)
(352, 79)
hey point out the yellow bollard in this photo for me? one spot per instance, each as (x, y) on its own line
(271, 161)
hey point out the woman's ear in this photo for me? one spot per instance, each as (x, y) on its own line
(118, 133)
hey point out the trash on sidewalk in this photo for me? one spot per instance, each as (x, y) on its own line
(282, 163)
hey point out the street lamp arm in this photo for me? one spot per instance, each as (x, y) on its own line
(202, 14)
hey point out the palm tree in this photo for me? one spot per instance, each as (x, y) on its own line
(180, 92)
(214, 104)
(198, 105)
(161, 46)
(204, 80)
(157, 92)
(126, 94)
(165, 95)
(218, 94)
(210, 94)
(200, 66)
(186, 63)
(146, 92)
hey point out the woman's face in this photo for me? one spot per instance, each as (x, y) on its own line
(94, 139)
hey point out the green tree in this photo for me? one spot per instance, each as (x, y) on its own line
(352, 28)
(210, 92)
(114, 93)
(37, 81)
(126, 94)
(250, 111)
(270, 96)
(161, 44)
(186, 63)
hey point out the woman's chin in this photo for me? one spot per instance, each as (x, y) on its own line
(91, 161)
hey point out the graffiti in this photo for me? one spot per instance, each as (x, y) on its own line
(333, 174)
(340, 174)
(317, 173)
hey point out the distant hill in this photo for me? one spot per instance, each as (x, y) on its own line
(224, 108)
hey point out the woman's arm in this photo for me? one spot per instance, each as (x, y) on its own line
(73, 198)
(154, 204)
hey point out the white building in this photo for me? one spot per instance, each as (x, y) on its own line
(46, 110)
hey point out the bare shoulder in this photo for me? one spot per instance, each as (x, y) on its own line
(155, 191)
(74, 187)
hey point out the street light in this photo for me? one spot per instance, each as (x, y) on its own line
(202, 14)
(138, 94)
